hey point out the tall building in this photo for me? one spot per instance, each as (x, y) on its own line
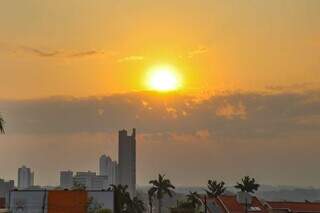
(127, 160)
(108, 168)
(66, 179)
(113, 177)
(25, 178)
(103, 165)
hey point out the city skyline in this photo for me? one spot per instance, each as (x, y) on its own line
(216, 89)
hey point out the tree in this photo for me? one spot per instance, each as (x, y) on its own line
(1, 125)
(93, 206)
(194, 199)
(160, 188)
(184, 204)
(122, 197)
(215, 188)
(136, 206)
(104, 211)
(150, 198)
(247, 184)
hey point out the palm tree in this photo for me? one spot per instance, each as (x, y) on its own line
(122, 197)
(150, 198)
(215, 188)
(136, 206)
(160, 188)
(1, 125)
(247, 184)
(194, 199)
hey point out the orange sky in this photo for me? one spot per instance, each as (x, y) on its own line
(260, 59)
(83, 48)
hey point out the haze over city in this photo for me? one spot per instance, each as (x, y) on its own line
(215, 89)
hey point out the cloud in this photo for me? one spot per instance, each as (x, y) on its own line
(62, 54)
(40, 53)
(294, 87)
(230, 134)
(198, 51)
(131, 58)
(86, 53)
(49, 53)
(229, 116)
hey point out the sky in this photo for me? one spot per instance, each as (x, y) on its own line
(74, 72)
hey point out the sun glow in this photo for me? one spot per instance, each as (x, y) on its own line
(163, 78)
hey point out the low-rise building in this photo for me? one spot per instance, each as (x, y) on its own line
(5, 188)
(293, 207)
(66, 179)
(59, 201)
(89, 180)
(246, 203)
(239, 203)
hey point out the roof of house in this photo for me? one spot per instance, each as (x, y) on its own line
(229, 204)
(295, 206)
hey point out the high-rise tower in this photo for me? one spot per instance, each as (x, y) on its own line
(127, 160)
(103, 165)
(108, 168)
(25, 178)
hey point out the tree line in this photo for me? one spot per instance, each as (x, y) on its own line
(162, 187)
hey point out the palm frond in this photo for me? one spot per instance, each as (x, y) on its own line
(1, 125)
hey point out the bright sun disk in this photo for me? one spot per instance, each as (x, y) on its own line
(163, 78)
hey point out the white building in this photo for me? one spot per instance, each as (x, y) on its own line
(108, 168)
(127, 160)
(25, 178)
(28, 201)
(91, 180)
(66, 179)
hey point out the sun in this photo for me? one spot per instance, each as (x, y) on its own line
(163, 78)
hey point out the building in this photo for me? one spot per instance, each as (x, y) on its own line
(104, 199)
(114, 173)
(5, 188)
(59, 201)
(66, 179)
(91, 181)
(108, 168)
(243, 202)
(25, 178)
(67, 201)
(2, 203)
(127, 160)
(103, 165)
(293, 207)
(240, 203)
(27, 201)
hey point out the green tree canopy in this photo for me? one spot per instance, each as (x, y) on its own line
(194, 199)
(215, 188)
(247, 184)
(160, 188)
